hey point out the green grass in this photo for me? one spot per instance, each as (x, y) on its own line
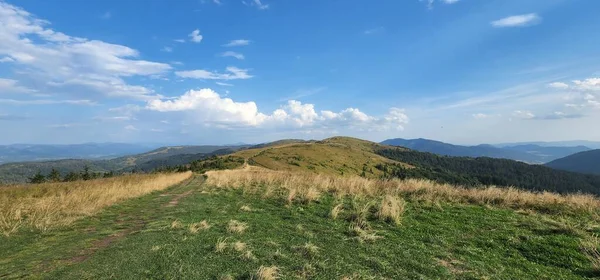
(432, 242)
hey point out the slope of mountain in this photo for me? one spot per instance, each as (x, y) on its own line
(584, 162)
(27, 152)
(350, 156)
(527, 153)
(18, 172)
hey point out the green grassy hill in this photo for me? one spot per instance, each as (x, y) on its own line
(351, 156)
(197, 230)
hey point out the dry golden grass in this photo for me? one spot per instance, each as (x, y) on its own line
(391, 209)
(308, 249)
(267, 273)
(197, 227)
(221, 245)
(246, 208)
(176, 224)
(236, 226)
(52, 205)
(336, 210)
(590, 247)
(248, 256)
(292, 185)
(238, 246)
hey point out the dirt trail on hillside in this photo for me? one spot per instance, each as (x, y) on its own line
(138, 223)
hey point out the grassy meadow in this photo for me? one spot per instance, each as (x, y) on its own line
(49, 205)
(253, 223)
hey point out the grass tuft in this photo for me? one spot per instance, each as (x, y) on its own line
(590, 247)
(267, 273)
(238, 246)
(246, 208)
(197, 227)
(336, 210)
(235, 226)
(176, 224)
(391, 209)
(221, 245)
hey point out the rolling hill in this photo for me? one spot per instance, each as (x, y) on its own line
(19, 172)
(351, 156)
(529, 153)
(584, 162)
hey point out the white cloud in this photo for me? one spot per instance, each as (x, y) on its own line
(234, 74)
(518, 20)
(167, 49)
(179, 40)
(218, 2)
(61, 60)
(195, 36)
(233, 54)
(223, 84)
(6, 59)
(256, 3)
(558, 85)
(11, 86)
(208, 107)
(591, 84)
(237, 43)
(480, 116)
(523, 114)
(450, 1)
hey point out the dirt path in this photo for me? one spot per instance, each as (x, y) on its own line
(135, 222)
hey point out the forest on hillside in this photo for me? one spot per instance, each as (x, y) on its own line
(486, 171)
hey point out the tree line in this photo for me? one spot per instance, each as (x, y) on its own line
(481, 171)
(55, 176)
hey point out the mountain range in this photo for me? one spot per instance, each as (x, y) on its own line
(529, 153)
(37, 152)
(19, 172)
(584, 162)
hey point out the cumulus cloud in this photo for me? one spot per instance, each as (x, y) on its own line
(237, 43)
(583, 93)
(480, 116)
(208, 107)
(60, 59)
(234, 73)
(195, 36)
(518, 20)
(233, 54)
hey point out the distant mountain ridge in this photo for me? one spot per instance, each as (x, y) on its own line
(529, 153)
(39, 152)
(584, 162)
(19, 172)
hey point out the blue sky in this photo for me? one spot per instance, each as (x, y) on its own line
(225, 71)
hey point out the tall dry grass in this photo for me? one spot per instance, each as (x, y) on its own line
(52, 205)
(307, 186)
